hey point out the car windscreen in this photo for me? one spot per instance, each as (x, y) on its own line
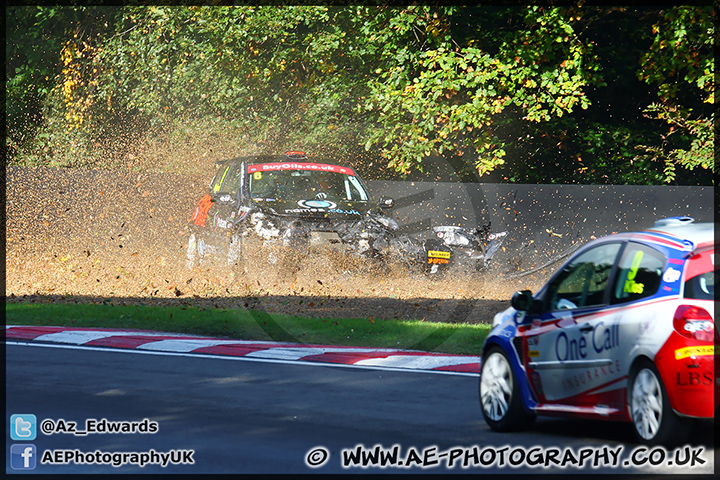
(286, 184)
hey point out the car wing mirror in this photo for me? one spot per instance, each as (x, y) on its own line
(522, 301)
(386, 202)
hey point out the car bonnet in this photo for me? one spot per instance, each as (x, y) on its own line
(316, 208)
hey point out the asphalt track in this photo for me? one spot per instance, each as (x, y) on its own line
(245, 415)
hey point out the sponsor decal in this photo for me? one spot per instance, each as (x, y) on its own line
(507, 332)
(693, 379)
(699, 351)
(590, 375)
(218, 184)
(346, 212)
(220, 223)
(434, 261)
(699, 326)
(671, 275)
(268, 167)
(602, 339)
(317, 204)
(605, 338)
(438, 257)
(631, 286)
(304, 210)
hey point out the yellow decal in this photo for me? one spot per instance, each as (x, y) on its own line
(216, 188)
(694, 352)
(257, 175)
(533, 353)
(437, 254)
(630, 285)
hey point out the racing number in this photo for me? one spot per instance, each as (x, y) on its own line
(631, 286)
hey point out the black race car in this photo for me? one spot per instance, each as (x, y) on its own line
(291, 202)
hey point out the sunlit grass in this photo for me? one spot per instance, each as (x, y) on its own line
(257, 325)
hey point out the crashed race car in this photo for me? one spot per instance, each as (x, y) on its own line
(290, 202)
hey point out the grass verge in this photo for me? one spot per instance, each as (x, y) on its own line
(243, 324)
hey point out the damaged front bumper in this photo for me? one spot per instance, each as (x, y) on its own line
(372, 237)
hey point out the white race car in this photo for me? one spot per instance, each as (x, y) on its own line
(624, 331)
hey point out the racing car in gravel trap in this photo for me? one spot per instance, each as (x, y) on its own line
(292, 202)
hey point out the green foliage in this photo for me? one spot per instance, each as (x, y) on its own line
(451, 98)
(698, 134)
(34, 38)
(681, 64)
(681, 55)
(88, 86)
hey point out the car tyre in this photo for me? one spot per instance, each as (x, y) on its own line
(654, 421)
(500, 400)
(191, 257)
(235, 258)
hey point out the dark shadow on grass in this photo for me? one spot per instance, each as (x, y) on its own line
(317, 306)
(263, 309)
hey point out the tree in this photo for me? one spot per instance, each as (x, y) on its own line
(463, 85)
(35, 36)
(535, 94)
(681, 64)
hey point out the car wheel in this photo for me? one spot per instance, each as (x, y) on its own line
(191, 258)
(499, 394)
(652, 416)
(235, 257)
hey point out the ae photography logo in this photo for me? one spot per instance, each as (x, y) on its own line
(537, 457)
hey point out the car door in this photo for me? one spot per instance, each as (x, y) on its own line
(226, 193)
(568, 337)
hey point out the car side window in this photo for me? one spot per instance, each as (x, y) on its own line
(639, 273)
(701, 274)
(231, 181)
(582, 282)
(701, 287)
(354, 190)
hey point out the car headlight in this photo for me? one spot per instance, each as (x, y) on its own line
(497, 319)
(455, 236)
(387, 222)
